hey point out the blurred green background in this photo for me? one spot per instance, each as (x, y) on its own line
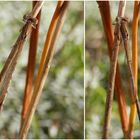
(97, 72)
(60, 110)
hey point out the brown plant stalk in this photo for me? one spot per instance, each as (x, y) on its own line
(10, 64)
(30, 66)
(52, 35)
(104, 8)
(134, 63)
(113, 67)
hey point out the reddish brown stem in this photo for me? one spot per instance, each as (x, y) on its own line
(30, 66)
(107, 23)
(113, 66)
(53, 33)
(134, 63)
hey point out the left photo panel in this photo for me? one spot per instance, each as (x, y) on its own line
(42, 69)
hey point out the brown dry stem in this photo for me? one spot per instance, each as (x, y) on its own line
(113, 66)
(53, 33)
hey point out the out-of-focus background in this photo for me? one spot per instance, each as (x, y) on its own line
(97, 72)
(60, 110)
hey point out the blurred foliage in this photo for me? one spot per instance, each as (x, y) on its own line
(60, 110)
(97, 71)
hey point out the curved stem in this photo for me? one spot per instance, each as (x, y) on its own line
(113, 66)
(104, 8)
(53, 33)
(30, 66)
(134, 63)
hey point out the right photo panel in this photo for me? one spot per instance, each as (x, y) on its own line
(112, 108)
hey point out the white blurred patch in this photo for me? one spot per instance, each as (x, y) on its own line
(53, 131)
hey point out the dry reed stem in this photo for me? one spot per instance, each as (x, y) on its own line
(31, 66)
(134, 63)
(104, 8)
(113, 66)
(46, 60)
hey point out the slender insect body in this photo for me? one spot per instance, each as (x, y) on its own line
(134, 96)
